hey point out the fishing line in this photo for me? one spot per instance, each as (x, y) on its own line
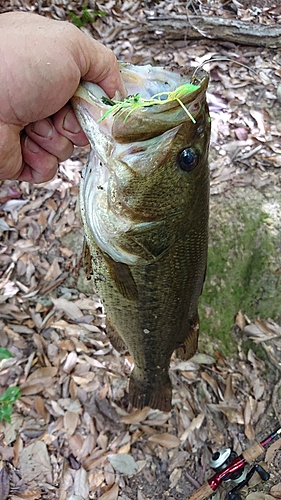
(213, 59)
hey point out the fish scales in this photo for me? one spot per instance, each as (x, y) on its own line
(144, 200)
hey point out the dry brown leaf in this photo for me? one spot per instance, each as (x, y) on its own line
(35, 462)
(66, 252)
(249, 410)
(66, 344)
(27, 495)
(68, 307)
(102, 440)
(196, 423)
(258, 116)
(260, 410)
(276, 490)
(271, 451)
(212, 382)
(228, 393)
(177, 459)
(81, 486)
(175, 477)
(11, 430)
(29, 364)
(109, 474)
(258, 388)
(54, 271)
(6, 453)
(185, 366)
(71, 420)
(88, 304)
(125, 448)
(232, 412)
(41, 373)
(136, 417)
(70, 362)
(96, 478)
(84, 381)
(111, 494)
(249, 432)
(258, 495)
(93, 362)
(165, 439)
(4, 484)
(87, 447)
(241, 134)
(41, 409)
(30, 389)
(18, 446)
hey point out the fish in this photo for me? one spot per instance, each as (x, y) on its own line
(144, 202)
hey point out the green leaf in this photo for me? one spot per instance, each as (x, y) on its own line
(5, 353)
(6, 412)
(86, 16)
(10, 395)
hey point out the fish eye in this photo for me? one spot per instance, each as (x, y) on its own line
(188, 159)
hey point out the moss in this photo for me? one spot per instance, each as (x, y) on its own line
(242, 263)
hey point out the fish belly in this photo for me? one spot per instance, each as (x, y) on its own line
(152, 309)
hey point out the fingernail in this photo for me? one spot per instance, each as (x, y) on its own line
(32, 146)
(44, 128)
(70, 123)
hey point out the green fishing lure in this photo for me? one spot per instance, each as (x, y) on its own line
(135, 102)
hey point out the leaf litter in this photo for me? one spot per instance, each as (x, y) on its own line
(71, 435)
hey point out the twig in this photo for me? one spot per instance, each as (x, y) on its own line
(275, 398)
(192, 481)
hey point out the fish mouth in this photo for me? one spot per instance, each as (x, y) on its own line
(137, 121)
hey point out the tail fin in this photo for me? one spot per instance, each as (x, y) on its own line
(153, 391)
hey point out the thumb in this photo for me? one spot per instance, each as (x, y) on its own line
(99, 65)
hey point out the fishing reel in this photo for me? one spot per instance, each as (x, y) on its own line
(221, 460)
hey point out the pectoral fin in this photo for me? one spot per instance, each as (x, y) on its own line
(149, 240)
(121, 275)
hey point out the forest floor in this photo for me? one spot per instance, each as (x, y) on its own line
(71, 435)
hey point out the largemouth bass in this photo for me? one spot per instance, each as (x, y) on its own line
(144, 204)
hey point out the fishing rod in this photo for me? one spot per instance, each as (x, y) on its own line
(229, 466)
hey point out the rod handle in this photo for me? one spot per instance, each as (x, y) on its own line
(253, 452)
(202, 493)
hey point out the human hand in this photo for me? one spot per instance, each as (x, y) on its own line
(42, 62)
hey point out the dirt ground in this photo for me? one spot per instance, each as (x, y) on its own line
(72, 435)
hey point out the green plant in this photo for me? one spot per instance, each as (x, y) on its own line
(6, 401)
(8, 397)
(5, 354)
(85, 17)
